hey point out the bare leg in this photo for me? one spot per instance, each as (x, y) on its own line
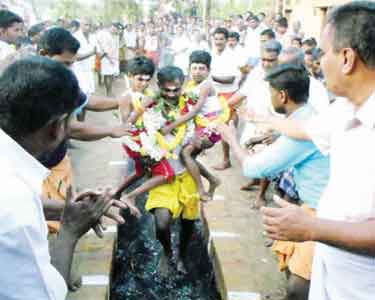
(226, 160)
(163, 220)
(193, 169)
(261, 196)
(108, 81)
(250, 185)
(187, 229)
(213, 181)
(226, 164)
(298, 288)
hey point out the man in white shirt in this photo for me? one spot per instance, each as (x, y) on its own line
(225, 76)
(33, 121)
(85, 61)
(11, 26)
(109, 47)
(252, 41)
(344, 262)
(180, 46)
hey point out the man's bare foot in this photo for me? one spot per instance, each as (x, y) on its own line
(75, 283)
(223, 166)
(164, 267)
(214, 183)
(250, 185)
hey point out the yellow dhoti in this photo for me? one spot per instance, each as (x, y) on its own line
(180, 197)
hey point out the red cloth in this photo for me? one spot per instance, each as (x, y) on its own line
(162, 167)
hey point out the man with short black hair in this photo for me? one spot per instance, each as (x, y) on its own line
(37, 98)
(289, 88)
(11, 28)
(225, 78)
(344, 257)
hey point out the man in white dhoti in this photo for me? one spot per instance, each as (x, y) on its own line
(344, 262)
(84, 65)
(109, 45)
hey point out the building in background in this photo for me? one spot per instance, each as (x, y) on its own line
(310, 12)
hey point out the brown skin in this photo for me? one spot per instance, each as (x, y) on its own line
(347, 76)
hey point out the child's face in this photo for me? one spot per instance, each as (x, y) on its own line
(140, 82)
(171, 91)
(199, 72)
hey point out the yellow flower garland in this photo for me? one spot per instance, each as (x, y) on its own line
(169, 147)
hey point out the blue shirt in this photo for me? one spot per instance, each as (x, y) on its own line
(310, 166)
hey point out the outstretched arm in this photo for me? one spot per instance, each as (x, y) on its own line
(292, 223)
(205, 91)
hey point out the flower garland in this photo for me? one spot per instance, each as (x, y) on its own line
(149, 141)
(170, 146)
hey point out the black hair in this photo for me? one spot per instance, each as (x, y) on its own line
(141, 65)
(269, 33)
(34, 91)
(35, 29)
(222, 30)
(8, 18)
(354, 27)
(298, 39)
(57, 40)
(234, 34)
(74, 24)
(170, 74)
(200, 57)
(255, 18)
(291, 78)
(283, 22)
(309, 42)
(272, 46)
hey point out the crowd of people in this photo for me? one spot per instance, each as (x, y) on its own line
(304, 112)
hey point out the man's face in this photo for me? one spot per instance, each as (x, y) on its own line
(220, 41)
(281, 29)
(269, 60)
(65, 58)
(171, 91)
(253, 24)
(264, 38)
(12, 33)
(85, 26)
(277, 99)
(331, 62)
(306, 47)
(199, 72)
(140, 82)
(232, 42)
(309, 61)
(114, 29)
